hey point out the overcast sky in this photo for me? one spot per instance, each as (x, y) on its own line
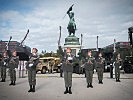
(107, 19)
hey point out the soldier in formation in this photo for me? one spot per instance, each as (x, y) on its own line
(117, 65)
(89, 69)
(31, 67)
(4, 65)
(100, 67)
(68, 70)
(13, 64)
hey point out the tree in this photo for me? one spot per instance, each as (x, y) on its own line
(60, 53)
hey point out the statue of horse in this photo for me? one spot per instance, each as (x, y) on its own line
(71, 26)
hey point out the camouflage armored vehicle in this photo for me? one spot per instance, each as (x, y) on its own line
(49, 64)
(22, 51)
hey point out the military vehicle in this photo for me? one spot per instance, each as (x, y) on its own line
(128, 61)
(22, 51)
(48, 64)
(79, 61)
(122, 47)
(128, 64)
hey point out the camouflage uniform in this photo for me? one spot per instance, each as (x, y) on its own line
(67, 70)
(34, 59)
(51, 66)
(100, 68)
(89, 69)
(117, 70)
(13, 63)
(117, 62)
(4, 64)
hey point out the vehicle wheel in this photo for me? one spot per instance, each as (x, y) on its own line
(36, 72)
(43, 71)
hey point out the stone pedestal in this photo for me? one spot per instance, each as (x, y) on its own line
(72, 42)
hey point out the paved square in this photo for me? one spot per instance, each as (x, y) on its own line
(51, 87)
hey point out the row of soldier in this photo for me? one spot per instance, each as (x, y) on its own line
(90, 64)
(13, 62)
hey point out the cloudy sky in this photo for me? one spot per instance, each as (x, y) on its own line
(108, 19)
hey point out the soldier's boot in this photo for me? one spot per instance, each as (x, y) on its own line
(2, 80)
(66, 91)
(101, 82)
(118, 80)
(11, 83)
(70, 92)
(91, 85)
(14, 83)
(30, 90)
(33, 89)
(88, 85)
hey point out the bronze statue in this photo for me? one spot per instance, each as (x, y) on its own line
(71, 26)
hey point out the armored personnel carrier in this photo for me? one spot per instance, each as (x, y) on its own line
(14, 45)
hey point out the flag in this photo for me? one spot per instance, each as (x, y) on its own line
(70, 9)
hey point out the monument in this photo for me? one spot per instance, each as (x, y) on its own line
(71, 41)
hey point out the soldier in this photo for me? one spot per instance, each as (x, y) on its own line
(81, 67)
(100, 67)
(13, 63)
(4, 64)
(31, 67)
(89, 69)
(67, 70)
(50, 66)
(117, 64)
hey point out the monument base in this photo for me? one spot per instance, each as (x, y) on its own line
(72, 42)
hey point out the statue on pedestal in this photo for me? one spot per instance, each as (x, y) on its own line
(71, 41)
(71, 26)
